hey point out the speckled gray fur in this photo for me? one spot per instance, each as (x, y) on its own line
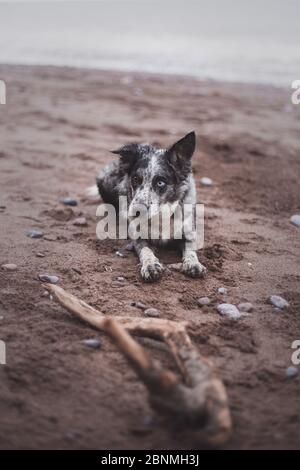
(148, 175)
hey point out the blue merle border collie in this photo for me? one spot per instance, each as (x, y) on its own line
(148, 175)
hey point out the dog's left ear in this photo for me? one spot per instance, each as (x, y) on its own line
(182, 151)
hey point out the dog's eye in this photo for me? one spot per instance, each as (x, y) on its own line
(136, 181)
(161, 184)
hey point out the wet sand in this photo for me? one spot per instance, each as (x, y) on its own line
(55, 133)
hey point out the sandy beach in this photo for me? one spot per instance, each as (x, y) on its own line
(55, 135)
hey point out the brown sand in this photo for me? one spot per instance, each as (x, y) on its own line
(55, 132)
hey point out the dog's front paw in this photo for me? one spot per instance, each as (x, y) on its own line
(193, 268)
(151, 271)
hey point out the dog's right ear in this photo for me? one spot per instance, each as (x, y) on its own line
(128, 155)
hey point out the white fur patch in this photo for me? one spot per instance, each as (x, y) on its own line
(92, 191)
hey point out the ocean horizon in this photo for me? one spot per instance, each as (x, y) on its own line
(239, 41)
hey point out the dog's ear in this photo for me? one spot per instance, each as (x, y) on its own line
(128, 155)
(180, 153)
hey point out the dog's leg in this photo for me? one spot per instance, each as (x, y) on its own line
(190, 263)
(151, 268)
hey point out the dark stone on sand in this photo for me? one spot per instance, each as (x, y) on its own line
(229, 311)
(9, 267)
(92, 343)
(152, 312)
(278, 301)
(130, 246)
(48, 278)
(139, 305)
(291, 372)
(33, 233)
(203, 301)
(68, 201)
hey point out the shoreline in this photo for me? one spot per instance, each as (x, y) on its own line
(148, 74)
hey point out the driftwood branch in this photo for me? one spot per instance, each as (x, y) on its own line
(199, 401)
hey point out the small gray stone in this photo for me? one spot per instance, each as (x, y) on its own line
(152, 312)
(33, 233)
(291, 372)
(40, 255)
(117, 284)
(229, 310)
(68, 201)
(203, 301)
(222, 290)
(295, 220)
(121, 279)
(80, 221)
(139, 305)
(206, 181)
(49, 279)
(245, 307)
(9, 267)
(278, 301)
(92, 343)
(130, 246)
(120, 254)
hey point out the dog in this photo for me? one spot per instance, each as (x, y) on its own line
(149, 175)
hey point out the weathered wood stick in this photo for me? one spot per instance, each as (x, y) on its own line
(200, 402)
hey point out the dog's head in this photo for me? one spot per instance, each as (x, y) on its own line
(157, 176)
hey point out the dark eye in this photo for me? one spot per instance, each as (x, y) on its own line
(136, 181)
(161, 184)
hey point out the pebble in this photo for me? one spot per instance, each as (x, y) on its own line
(120, 254)
(278, 301)
(48, 278)
(291, 371)
(80, 221)
(152, 312)
(33, 233)
(245, 307)
(117, 284)
(92, 343)
(222, 290)
(206, 181)
(203, 301)
(40, 255)
(120, 279)
(139, 305)
(295, 220)
(68, 201)
(9, 267)
(229, 310)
